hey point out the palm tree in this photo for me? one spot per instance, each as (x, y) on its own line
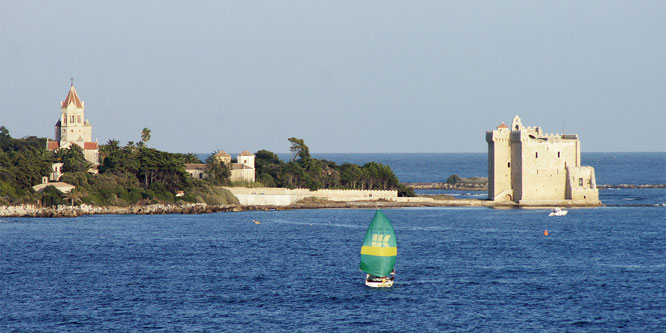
(75, 195)
(113, 145)
(145, 135)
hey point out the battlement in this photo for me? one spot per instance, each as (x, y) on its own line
(526, 165)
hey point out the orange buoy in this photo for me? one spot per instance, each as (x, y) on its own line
(545, 232)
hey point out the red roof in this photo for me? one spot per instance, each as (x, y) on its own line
(72, 97)
(195, 166)
(245, 153)
(90, 145)
(51, 145)
(222, 153)
(502, 125)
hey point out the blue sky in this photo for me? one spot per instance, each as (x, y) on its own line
(346, 76)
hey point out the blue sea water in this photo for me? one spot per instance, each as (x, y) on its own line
(610, 169)
(458, 269)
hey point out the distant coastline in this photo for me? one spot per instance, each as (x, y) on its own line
(202, 208)
(447, 186)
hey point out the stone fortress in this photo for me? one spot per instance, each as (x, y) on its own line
(531, 168)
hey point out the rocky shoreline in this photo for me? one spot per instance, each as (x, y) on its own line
(202, 208)
(74, 211)
(199, 208)
(484, 187)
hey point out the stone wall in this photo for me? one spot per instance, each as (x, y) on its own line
(272, 196)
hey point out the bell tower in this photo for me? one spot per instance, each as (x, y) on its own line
(74, 128)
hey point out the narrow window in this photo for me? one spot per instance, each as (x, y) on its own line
(558, 154)
(508, 165)
(78, 119)
(536, 154)
(72, 119)
(580, 181)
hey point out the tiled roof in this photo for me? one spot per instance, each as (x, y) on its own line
(222, 153)
(195, 166)
(51, 145)
(502, 125)
(245, 153)
(89, 145)
(72, 97)
(238, 166)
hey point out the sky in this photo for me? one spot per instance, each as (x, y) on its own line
(345, 76)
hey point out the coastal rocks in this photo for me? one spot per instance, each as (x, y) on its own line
(447, 186)
(74, 211)
(59, 211)
(631, 186)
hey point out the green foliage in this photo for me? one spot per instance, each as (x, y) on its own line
(266, 180)
(212, 195)
(299, 151)
(217, 172)
(307, 172)
(23, 163)
(267, 167)
(73, 159)
(145, 135)
(188, 158)
(405, 191)
(454, 179)
(52, 197)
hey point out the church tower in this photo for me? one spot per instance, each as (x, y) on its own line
(74, 128)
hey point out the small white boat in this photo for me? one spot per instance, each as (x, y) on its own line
(379, 282)
(558, 212)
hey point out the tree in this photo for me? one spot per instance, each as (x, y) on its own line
(299, 151)
(113, 145)
(145, 135)
(217, 172)
(51, 196)
(107, 149)
(268, 167)
(73, 159)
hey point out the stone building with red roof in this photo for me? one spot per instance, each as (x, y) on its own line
(242, 171)
(73, 128)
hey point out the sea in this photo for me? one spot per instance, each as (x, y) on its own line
(458, 269)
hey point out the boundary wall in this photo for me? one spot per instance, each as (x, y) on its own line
(272, 196)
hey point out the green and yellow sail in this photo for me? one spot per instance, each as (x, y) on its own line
(379, 247)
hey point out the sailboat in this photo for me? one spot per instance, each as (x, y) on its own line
(378, 252)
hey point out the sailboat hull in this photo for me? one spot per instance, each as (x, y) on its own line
(384, 282)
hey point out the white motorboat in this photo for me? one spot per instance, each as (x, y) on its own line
(558, 212)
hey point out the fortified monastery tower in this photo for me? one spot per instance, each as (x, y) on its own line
(73, 128)
(529, 167)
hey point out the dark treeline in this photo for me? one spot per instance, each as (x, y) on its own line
(137, 174)
(303, 171)
(23, 163)
(126, 175)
